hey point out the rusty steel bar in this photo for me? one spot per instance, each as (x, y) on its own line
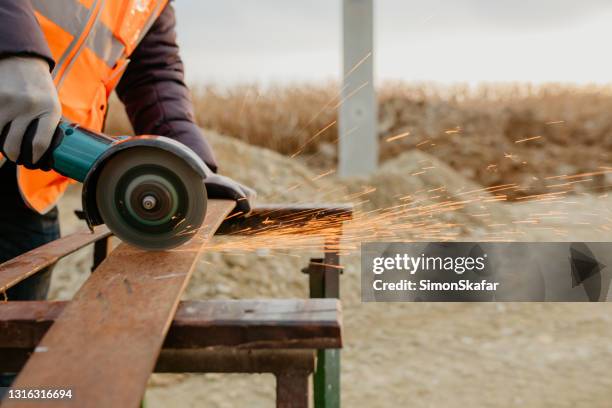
(17, 269)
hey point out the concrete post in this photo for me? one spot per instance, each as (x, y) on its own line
(358, 144)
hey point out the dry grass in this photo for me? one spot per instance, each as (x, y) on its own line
(494, 134)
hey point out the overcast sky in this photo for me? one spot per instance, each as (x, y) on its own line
(234, 41)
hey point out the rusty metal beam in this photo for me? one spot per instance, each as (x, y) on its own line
(17, 269)
(109, 336)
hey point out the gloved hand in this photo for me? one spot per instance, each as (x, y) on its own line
(29, 109)
(222, 187)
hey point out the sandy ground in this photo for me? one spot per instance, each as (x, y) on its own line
(417, 354)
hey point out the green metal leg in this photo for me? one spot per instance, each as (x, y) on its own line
(325, 283)
(327, 379)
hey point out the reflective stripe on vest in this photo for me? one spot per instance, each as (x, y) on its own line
(101, 40)
(91, 41)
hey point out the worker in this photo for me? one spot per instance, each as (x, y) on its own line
(64, 58)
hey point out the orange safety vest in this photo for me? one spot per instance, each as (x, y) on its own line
(91, 41)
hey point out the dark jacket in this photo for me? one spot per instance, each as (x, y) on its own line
(152, 89)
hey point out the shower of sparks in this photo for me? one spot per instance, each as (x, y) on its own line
(334, 103)
(351, 94)
(528, 139)
(358, 64)
(433, 213)
(421, 216)
(326, 106)
(397, 137)
(315, 136)
(453, 131)
(327, 173)
(582, 175)
(366, 191)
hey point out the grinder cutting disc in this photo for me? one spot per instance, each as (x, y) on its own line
(151, 198)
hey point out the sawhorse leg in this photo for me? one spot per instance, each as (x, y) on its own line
(292, 389)
(325, 283)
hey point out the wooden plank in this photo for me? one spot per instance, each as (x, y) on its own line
(17, 269)
(247, 324)
(213, 360)
(292, 389)
(105, 343)
(257, 324)
(232, 360)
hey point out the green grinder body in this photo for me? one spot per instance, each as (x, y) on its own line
(78, 150)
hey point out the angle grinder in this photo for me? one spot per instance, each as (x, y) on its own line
(148, 190)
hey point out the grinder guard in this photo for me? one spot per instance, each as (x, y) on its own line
(92, 215)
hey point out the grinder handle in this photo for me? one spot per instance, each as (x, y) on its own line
(74, 150)
(46, 161)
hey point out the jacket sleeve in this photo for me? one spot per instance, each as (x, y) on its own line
(154, 93)
(20, 34)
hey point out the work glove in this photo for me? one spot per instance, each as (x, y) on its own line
(222, 187)
(29, 109)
